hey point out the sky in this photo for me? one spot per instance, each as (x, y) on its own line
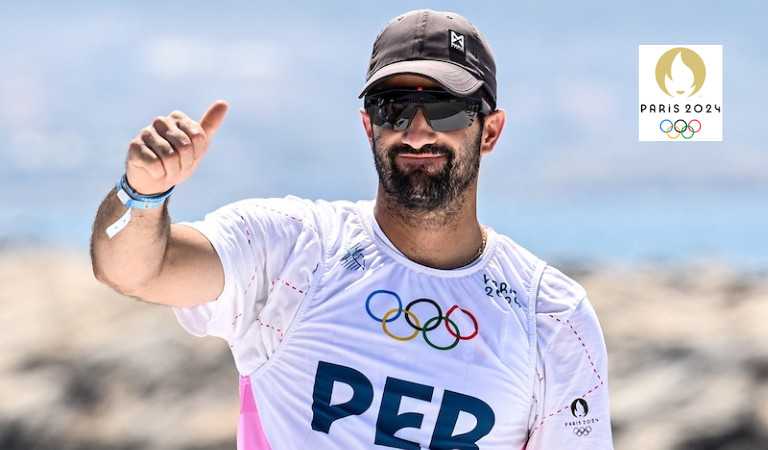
(569, 179)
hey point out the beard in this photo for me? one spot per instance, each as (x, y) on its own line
(420, 189)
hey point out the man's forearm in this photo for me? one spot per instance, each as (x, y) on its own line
(130, 259)
(141, 254)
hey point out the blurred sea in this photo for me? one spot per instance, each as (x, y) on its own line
(642, 229)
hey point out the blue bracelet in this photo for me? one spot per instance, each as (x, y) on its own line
(133, 199)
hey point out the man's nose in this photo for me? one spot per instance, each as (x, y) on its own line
(419, 133)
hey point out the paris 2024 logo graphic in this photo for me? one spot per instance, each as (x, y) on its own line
(681, 92)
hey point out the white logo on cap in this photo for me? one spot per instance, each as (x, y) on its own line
(457, 41)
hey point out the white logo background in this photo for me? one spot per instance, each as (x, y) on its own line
(709, 96)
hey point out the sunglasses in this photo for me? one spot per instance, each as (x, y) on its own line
(395, 108)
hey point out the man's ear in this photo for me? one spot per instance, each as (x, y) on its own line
(494, 124)
(367, 125)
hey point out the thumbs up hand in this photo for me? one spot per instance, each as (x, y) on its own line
(169, 150)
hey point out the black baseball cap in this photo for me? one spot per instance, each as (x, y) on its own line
(441, 46)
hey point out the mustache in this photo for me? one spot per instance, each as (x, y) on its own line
(429, 149)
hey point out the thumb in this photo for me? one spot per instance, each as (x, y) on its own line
(212, 118)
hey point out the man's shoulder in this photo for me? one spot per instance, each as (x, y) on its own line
(510, 246)
(556, 292)
(559, 297)
(550, 276)
(522, 260)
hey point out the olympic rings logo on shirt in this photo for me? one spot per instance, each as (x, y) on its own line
(686, 126)
(413, 321)
(582, 431)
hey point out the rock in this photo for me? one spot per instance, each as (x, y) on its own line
(688, 355)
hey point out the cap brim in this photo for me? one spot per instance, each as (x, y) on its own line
(451, 77)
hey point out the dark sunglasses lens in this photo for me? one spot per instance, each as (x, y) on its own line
(392, 115)
(444, 112)
(449, 116)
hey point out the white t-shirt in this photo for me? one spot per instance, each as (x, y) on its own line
(343, 342)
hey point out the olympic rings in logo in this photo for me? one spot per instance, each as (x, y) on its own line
(413, 321)
(686, 126)
(582, 431)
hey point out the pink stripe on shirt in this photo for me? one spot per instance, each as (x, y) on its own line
(250, 434)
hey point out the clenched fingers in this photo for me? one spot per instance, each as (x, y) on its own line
(165, 152)
(143, 157)
(194, 133)
(180, 142)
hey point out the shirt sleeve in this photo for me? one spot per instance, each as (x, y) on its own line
(269, 249)
(571, 407)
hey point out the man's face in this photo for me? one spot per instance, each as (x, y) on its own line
(428, 178)
(425, 170)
